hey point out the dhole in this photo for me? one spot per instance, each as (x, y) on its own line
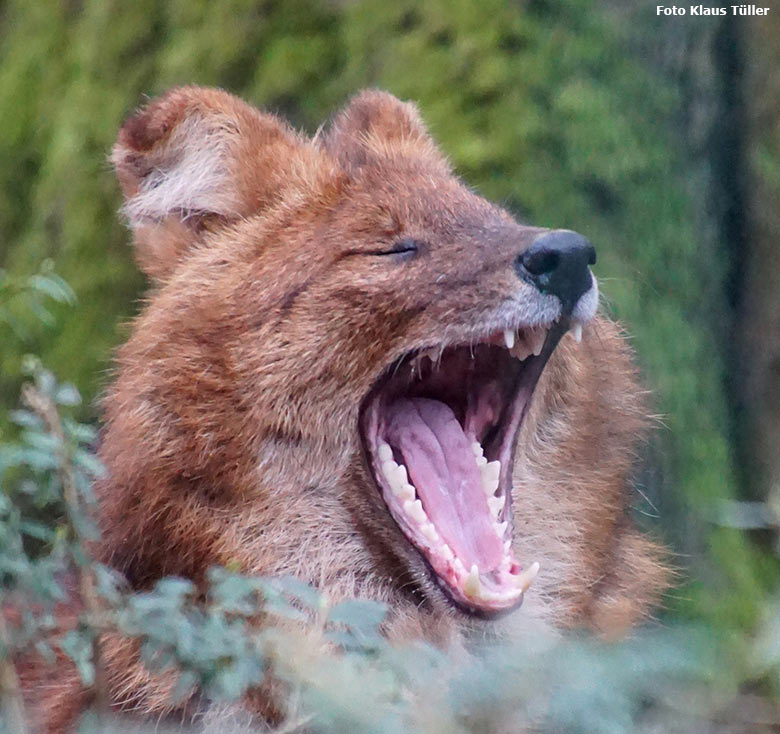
(354, 369)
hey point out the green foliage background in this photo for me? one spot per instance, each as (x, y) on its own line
(546, 107)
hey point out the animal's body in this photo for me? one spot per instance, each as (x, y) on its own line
(326, 311)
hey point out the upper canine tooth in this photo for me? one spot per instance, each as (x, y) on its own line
(471, 585)
(415, 510)
(509, 338)
(384, 452)
(576, 332)
(523, 580)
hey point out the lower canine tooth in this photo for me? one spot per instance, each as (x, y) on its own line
(576, 332)
(471, 586)
(523, 580)
(415, 510)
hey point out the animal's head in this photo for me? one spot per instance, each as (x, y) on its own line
(348, 295)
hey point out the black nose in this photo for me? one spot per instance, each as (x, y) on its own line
(557, 263)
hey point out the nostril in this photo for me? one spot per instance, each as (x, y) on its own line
(540, 261)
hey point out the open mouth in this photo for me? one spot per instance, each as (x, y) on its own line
(440, 430)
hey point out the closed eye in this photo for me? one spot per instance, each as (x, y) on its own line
(406, 247)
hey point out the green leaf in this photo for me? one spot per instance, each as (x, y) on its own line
(26, 419)
(67, 394)
(299, 590)
(54, 287)
(77, 645)
(364, 615)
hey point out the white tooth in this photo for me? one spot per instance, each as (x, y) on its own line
(471, 586)
(496, 504)
(489, 486)
(458, 567)
(389, 469)
(446, 552)
(491, 470)
(429, 532)
(509, 338)
(489, 473)
(384, 452)
(521, 350)
(404, 491)
(507, 546)
(500, 528)
(476, 447)
(576, 332)
(414, 509)
(481, 461)
(537, 337)
(401, 477)
(523, 580)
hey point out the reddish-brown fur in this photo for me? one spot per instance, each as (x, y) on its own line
(231, 429)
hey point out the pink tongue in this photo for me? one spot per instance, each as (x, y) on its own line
(441, 465)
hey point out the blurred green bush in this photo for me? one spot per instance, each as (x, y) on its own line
(540, 106)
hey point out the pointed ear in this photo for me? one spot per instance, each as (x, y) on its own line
(195, 159)
(376, 125)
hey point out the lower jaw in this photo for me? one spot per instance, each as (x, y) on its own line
(488, 591)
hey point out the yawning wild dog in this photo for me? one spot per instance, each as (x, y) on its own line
(354, 369)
